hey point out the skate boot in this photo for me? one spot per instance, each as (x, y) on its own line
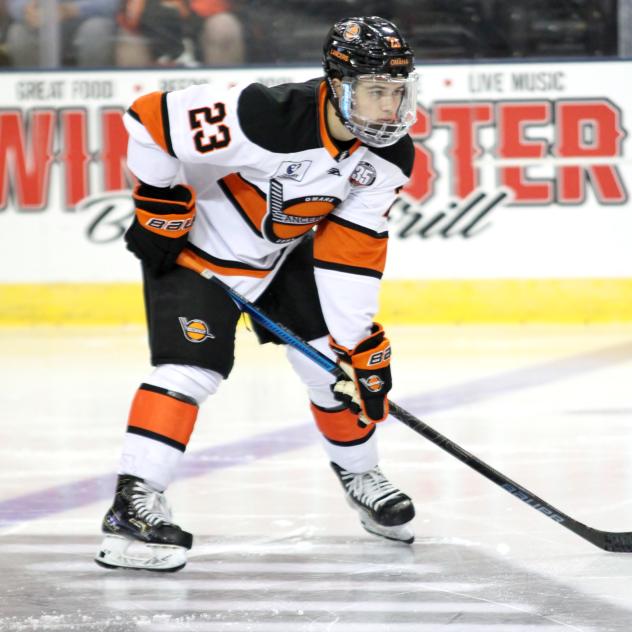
(138, 530)
(384, 510)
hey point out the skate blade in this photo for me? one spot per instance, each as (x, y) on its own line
(402, 533)
(119, 552)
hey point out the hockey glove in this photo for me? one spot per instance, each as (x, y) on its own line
(163, 219)
(369, 376)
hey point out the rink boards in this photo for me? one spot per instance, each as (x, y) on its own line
(518, 209)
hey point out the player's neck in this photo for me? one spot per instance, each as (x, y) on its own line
(335, 126)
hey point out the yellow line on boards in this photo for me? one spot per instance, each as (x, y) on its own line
(507, 301)
(402, 302)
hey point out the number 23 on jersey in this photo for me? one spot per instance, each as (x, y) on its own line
(218, 136)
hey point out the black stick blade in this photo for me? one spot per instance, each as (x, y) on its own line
(617, 542)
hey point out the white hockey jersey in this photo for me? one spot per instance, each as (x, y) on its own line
(266, 171)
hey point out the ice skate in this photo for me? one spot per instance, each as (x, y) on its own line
(138, 531)
(384, 510)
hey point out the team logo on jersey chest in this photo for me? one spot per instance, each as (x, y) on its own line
(363, 175)
(288, 219)
(293, 170)
(276, 217)
(195, 330)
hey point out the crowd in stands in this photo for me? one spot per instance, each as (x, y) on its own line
(123, 33)
(145, 33)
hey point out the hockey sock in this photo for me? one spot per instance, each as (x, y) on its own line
(159, 427)
(351, 447)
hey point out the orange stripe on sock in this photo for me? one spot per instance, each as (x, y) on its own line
(163, 415)
(340, 426)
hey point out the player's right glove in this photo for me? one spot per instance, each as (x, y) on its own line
(367, 366)
(159, 232)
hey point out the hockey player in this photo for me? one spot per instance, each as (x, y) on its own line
(290, 189)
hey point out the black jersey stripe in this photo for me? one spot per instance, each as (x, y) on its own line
(134, 115)
(341, 267)
(226, 263)
(238, 207)
(353, 226)
(165, 123)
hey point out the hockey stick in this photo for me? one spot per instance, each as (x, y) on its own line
(606, 540)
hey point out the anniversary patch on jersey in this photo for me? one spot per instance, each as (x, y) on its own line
(195, 330)
(363, 175)
(293, 170)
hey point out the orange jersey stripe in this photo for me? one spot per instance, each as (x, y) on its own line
(344, 244)
(246, 198)
(149, 110)
(226, 269)
(163, 415)
(326, 139)
(340, 426)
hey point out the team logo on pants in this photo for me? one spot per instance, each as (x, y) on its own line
(195, 330)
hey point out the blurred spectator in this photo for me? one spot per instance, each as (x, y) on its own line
(87, 30)
(179, 32)
(5, 60)
(625, 28)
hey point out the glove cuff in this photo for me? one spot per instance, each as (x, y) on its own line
(164, 200)
(168, 212)
(374, 351)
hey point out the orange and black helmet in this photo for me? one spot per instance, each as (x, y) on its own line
(366, 45)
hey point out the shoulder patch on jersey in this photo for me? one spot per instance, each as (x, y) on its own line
(292, 170)
(402, 154)
(282, 119)
(363, 175)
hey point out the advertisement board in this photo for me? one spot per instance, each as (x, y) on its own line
(523, 171)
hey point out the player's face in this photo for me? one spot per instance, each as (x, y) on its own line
(379, 100)
(377, 109)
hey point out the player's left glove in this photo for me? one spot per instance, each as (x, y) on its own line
(367, 366)
(159, 232)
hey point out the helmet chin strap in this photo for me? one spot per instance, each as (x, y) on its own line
(333, 99)
(335, 102)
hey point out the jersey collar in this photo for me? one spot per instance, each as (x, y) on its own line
(328, 142)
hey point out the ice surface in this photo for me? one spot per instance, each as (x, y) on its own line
(277, 549)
